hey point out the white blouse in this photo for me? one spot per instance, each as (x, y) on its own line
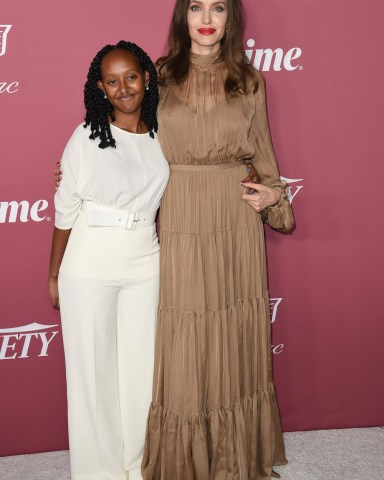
(132, 176)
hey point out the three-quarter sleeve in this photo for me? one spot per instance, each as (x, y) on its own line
(67, 200)
(278, 216)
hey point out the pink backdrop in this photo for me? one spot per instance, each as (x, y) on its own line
(326, 105)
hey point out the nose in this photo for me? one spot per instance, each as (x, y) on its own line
(124, 88)
(207, 16)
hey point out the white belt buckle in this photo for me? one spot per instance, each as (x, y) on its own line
(132, 221)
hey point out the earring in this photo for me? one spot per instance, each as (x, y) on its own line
(105, 95)
(147, 86)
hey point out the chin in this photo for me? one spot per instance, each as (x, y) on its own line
(207, 42)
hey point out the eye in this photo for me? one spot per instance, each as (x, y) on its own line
(132, 77)
(219, 8)
(112, 82)
(195, 8)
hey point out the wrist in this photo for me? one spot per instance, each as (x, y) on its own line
(279, 198)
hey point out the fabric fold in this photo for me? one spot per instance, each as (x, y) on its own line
(216, 444)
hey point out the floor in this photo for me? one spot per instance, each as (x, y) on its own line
(351, 454)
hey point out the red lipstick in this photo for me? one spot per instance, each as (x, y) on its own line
(206, 31)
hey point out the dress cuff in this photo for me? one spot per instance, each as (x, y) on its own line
(280, 215)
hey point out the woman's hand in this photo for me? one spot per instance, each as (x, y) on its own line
(59, 244)
(262, 198)
(57, 172)
(53, 292)
(252, 174)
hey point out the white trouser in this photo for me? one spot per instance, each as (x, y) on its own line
(109, 334)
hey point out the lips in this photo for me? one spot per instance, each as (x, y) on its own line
(206, 31)
(125, 98)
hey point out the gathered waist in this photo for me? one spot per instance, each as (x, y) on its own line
(202, 168)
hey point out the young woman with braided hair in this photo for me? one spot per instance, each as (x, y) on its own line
(104, 268)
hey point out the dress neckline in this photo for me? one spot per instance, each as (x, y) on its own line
(205, 60)
(129, 133)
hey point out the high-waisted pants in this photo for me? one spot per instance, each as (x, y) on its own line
(108, 290)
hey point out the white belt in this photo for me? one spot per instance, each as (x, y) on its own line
(102, 216)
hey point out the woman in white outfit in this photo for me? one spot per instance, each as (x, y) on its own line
(104, 264)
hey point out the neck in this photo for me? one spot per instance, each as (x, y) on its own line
(204, 50)
(129, 123)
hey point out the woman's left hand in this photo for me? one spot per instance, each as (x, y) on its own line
(53, 292)
(262, 198)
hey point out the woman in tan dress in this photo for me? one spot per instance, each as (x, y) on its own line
(214, 414)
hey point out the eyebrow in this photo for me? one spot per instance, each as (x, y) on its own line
(130, 70)
(214, 3)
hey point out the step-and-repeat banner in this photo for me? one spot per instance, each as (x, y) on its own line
(322, 61)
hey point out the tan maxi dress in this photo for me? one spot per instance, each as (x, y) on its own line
(214, 414)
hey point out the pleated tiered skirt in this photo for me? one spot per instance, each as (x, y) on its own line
(214, 414)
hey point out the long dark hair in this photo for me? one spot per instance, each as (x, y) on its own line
(98, 108)
(174, 66)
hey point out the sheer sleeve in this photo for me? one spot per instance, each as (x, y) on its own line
(278, 216)
(67, 200)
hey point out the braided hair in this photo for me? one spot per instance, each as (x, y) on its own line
(98, 108)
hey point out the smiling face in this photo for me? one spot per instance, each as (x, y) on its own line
(207, 20)
(123, 80)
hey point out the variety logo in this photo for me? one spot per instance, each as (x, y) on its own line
(273, 306)
(11, 87)
(18, 342)
(264, 59)
(6, 87)
(293, 190)
(4, 29)
(11, 212)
